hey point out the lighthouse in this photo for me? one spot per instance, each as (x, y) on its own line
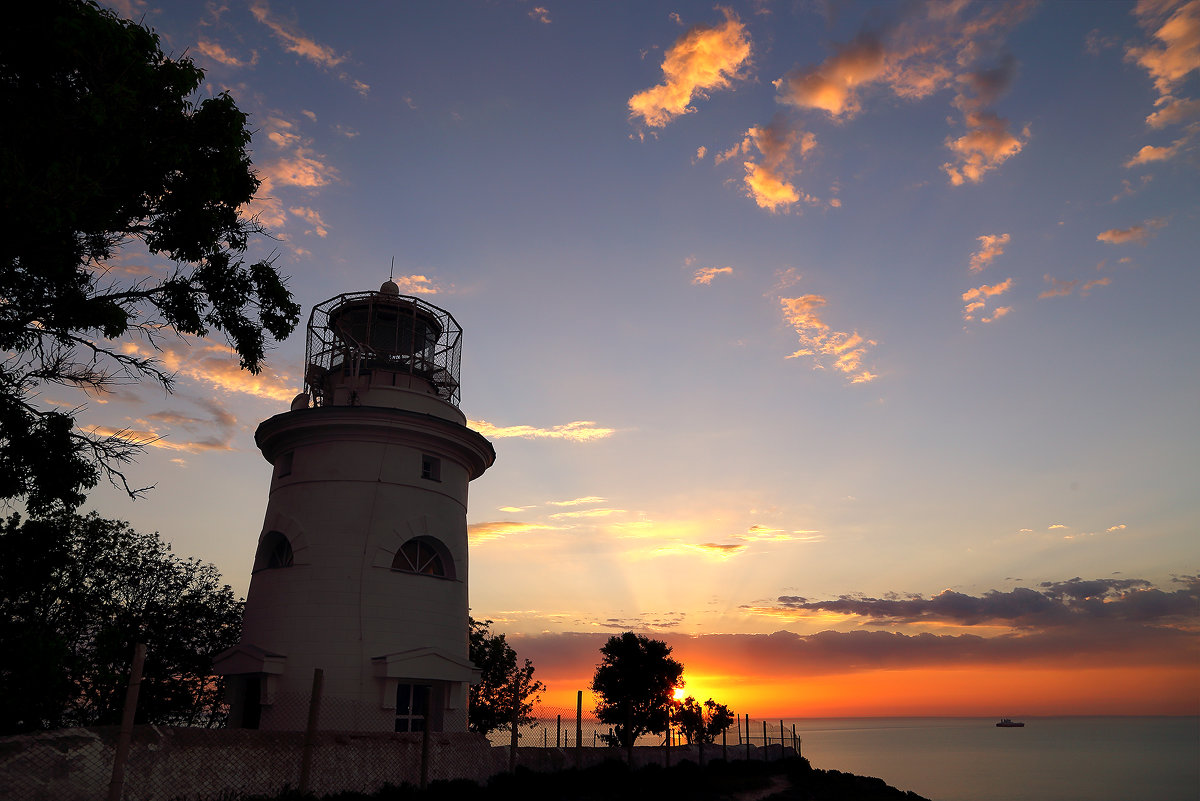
(361, 565)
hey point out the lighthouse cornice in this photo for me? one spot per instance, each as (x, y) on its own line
(299, 427)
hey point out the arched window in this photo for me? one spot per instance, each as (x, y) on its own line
(274, 551)
(425, 556)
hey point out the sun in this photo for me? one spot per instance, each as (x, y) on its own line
(680, 694)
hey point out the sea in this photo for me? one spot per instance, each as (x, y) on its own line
(1049, 759)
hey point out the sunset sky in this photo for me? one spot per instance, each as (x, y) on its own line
(847, 347)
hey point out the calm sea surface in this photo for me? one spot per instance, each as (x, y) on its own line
(1051, 759)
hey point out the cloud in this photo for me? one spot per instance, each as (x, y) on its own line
(313, 218)
(540, 14)
(577, 431)
(1053, 605)
(1175, 26)
(216, 365)
(832, 85)
(1151, 153)
(705, 275)
(589, 499)
(1118, 527)
(222, 56)
(1173, 111)
(976, 299)
(586, 513)
(1137, 234)
(779, 145)
(990, 247)
(702, 60)
(303, 168)
(293, 40)
(499, 529)
(985, 146)
(844, 350)
(1058, 289)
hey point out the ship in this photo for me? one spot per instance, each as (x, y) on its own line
(1008, 723)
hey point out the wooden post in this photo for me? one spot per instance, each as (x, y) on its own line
(117, 783)
(425, 753)
(795, 740)
(781, 738)
(558, 733)
(766, 758)
(667, 742)
(310, 731)
(579, 728)
(747, 736)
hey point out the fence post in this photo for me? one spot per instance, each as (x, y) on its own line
(795, 740)
(667, 743)
(578, 728)
(724, 745)
(117, 783)
(629, 733)
(425, 753)
(558, 733)
(512, 740)
(747, 736)
(310, 731)
(782, 736)
(766, 754)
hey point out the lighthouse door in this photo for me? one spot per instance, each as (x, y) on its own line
(412, 706)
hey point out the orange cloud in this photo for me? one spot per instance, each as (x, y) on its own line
(831, 86)
(499, 529)
(216, 365)
(705, 275)
(1137, 234)
(1176, 27)
(222, 56)
(1173, 111)
(313, 218)
(779, 145)
(1058, 289)
(578, 501)
(986, 145)
(985, 291)
(578, 431)
(294, 41)
(1150, 153)
(976, 300)
(991, 246)
(540, 14)
(703, 59)
(845, 350)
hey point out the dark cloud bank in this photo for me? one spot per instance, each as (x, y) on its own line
(1075, 623)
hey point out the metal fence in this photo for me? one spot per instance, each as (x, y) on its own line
(161, 763)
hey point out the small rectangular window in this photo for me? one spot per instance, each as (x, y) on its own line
(283, 465)
(431, 468)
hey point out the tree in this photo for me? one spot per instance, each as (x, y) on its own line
(105, 146)
(635, 682)
(76, 594)
(505, 689)
(701, 724)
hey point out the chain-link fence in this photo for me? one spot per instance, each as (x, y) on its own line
(334, 753)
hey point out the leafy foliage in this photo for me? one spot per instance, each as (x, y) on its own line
(76, 594)
(702, 723)
(103, 146)
(635, 682)
(505, 689)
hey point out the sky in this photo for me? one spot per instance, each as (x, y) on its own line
(847, 347)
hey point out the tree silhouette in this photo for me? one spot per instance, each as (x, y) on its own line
(635, 681)
(76, 594)
(506, 689)
(702, 723)
(105, 146)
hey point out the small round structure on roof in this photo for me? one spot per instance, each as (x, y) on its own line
(364, 332)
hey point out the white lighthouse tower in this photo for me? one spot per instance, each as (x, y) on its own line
(361, 566)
